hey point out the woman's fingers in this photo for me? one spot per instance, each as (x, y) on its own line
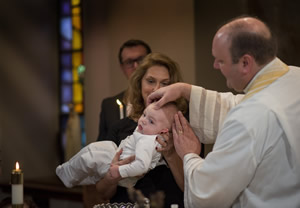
(126, 160)
(116, 160)
(117, 156)
(161, 139)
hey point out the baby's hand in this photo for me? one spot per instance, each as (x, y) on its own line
(114, 171)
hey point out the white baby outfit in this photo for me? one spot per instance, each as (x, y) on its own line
(92, 162)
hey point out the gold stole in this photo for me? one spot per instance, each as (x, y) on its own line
(271, 73)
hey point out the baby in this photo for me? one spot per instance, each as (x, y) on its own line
(92, 162)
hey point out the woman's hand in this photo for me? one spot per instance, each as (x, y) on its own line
(114, 172)
(168, 151)
(166, 148)
(107, 186)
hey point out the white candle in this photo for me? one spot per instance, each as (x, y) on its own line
(121, 109)
(17, 186)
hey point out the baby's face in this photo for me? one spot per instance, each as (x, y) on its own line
(153, 121)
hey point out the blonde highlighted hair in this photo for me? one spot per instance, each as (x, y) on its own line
(133, 94)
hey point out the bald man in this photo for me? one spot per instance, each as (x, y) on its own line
(255, 161)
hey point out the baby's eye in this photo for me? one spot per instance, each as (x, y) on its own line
(151, 121)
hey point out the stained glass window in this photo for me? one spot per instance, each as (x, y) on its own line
(71, 65)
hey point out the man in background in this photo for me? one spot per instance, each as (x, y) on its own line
(131, 53)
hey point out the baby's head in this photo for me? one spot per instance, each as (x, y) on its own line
(156, 121)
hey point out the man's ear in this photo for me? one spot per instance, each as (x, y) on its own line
(247, 62)
(164, 131)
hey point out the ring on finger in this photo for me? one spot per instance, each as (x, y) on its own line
(180, 131)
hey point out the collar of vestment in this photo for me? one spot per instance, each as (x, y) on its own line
(266, 76)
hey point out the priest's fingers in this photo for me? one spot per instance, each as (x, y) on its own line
(185, 124)
(179, 121)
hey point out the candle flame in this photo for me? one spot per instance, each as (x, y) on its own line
(17, 166)
(119, 102)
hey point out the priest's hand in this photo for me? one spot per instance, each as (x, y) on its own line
(169, 93)
(185, 140)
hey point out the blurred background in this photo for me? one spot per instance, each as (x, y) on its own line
(33, 112)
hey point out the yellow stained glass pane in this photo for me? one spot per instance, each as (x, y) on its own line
(76, 22)
(75, 75)
(76, 59)
(75, 2)
(78, 108)
(77, 43)
(77, 93)
(76, 11)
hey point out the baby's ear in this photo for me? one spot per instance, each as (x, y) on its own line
(164, 131)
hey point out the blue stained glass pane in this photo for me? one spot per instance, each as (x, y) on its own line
(66, 39)
(66, 75)
(66, 60)
(64, 108)
(66, 28)
(65, 44)
(81, 121)
(66, 8)
(83, 138)
(83, 134)
(66, 93)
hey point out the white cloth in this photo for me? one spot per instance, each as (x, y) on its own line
(255, 161)
(146, 156)
(208, 110)
(92, 162)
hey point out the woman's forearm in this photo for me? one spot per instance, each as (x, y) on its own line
(107, 187)
(176, 165)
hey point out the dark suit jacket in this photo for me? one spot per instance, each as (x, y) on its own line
(109, 114)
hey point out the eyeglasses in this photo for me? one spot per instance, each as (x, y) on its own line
(130, 62)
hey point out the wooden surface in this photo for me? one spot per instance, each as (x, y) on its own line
(46, 188)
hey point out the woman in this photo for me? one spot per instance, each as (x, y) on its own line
(156, 71)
